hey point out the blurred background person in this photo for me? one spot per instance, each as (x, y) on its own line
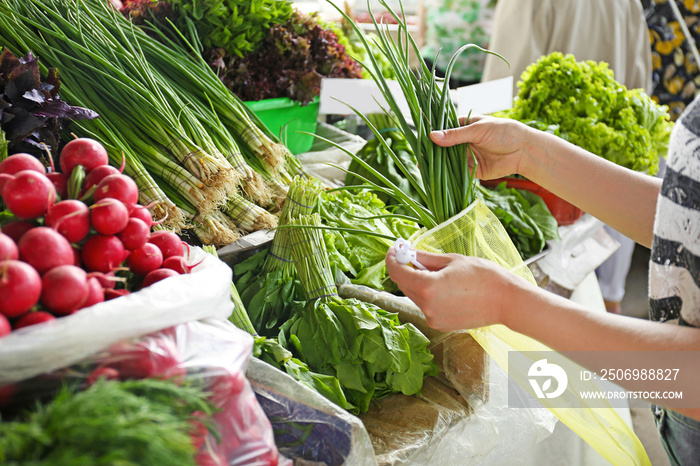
(447, 25)
(612, 31)
(674, 58)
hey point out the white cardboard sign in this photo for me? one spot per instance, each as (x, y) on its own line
(486, 97)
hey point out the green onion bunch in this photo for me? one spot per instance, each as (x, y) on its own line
(186, 139)
(268, 284)
(447, 173)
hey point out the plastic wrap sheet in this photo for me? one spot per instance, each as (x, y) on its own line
(309, 428)
(212, 355)
(583, 247)
(34, 350)
(403, 428)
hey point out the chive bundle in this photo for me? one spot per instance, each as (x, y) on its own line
(448, 181)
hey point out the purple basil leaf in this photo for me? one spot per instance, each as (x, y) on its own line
(22, 125)
(60, 109)
(35, 96)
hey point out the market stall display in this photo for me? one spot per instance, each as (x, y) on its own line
(344, 371)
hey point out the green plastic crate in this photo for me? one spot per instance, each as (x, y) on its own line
(284, 117)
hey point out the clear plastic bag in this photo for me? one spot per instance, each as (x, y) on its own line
(309, 428)
(211, 355)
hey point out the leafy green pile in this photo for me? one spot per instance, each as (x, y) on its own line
(358, 252)
(237, 26)
(365, 347)
(273, 353)
(524, 215)
(32, 113)
(582, 103)
(290, 61)
(269, 349)
(134, 422)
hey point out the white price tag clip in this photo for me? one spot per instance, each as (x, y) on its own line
(405, 254)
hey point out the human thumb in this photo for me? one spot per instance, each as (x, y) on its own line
(450, 137)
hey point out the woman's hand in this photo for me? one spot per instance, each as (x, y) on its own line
(499, 144)
(456, 292)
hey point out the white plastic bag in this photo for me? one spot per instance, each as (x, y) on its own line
(201, 294)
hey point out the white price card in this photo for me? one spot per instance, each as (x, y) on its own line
(487, 97)
(364, 95)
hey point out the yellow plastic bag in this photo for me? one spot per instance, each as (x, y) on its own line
(477, 232)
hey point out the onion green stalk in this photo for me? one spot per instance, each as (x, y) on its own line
(447, 173)
(247, 216)
(302, 199)
(215, 228)
(195, 78)
(76, 34)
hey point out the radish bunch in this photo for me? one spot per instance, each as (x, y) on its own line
(59, 255)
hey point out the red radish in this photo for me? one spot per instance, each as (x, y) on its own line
(97, 174)
(224, 386)
(145, 259)
(71, 218)
(8, 248)
(5, 327)
(18, 162)
(82, 151)
(119, 187)
(168, 242)
(64, 289)
(60, 182)
(198, 430)
(95, 293)
(7, 393)
(157, 275)
(102, 253)
(20, 287)
(152, 357)
(17, 229)
(179, 264)
(108, 216)
(113, 294)
(28, 194)
(44, 248)
(33, 318)
(76, 258)
(108, 373)
(107, 280)
(135, 234)
(142, 213)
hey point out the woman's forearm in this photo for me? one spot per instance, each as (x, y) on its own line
(621, 198)
(564, 325)
(600, 342)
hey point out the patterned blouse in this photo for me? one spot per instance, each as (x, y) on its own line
(674, 264)
(676, 77)
(450, 24)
